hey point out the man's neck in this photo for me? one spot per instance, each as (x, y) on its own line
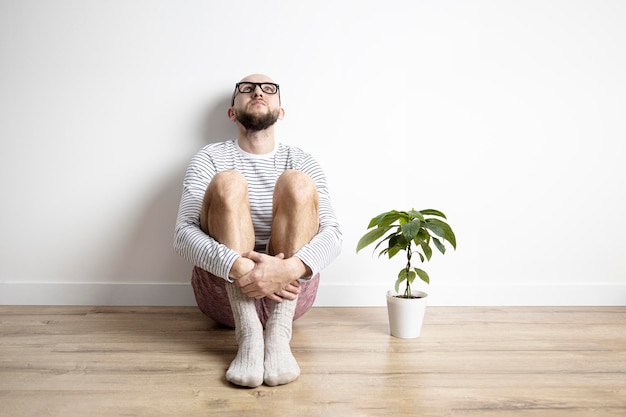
(259, 142)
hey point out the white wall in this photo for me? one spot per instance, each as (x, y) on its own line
(507, 115)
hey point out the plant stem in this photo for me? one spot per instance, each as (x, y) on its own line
(407, 290)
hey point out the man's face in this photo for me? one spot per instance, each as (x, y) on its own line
(256, 103)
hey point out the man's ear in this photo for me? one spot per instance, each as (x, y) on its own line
(281, 114)
(231, 114)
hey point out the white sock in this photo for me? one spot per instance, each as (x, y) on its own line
(280, 365)
(247, 367)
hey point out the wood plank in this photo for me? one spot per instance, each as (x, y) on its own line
(170, 361)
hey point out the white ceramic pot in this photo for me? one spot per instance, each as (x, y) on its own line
(406, 315)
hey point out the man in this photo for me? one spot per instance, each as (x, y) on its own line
(256, 221)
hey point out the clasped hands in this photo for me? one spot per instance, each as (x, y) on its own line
(269, 276)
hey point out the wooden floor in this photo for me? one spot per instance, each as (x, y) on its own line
(469, 361)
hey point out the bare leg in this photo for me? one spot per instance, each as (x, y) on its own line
(226, 217)
(225, 211)
(295, 213)
(294, 224)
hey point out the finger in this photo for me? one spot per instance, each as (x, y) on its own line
(248, 286)
(295, 289)
(288, 295)
(255, 256)
(275, 297)
(242, 282)
(252, 292)
(292, 291)
(249, 291)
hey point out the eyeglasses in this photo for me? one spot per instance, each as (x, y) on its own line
(248, 87)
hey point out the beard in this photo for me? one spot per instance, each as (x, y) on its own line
(257, 122)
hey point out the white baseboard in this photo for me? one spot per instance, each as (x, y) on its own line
(482, 295)
(103, 294)
(329, 295)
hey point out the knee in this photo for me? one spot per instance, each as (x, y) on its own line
(296, 187)
(227, 185)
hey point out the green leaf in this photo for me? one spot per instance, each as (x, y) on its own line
(397, 286)
(423, 275)
(433, 212)
(375, 220)
(422, 235)
(439, 245)
(411, 277)
(387, 218)
(398, 241)
(427, 250)
(403, 276)
(387, 239)
(416, 214)
(448, 234)
(404, 217)
(371, 237)
(434, 228)
(392, 251)
(411, 229)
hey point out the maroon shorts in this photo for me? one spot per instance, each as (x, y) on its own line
(212, 299)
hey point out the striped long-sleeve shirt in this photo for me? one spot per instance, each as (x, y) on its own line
(261, 173)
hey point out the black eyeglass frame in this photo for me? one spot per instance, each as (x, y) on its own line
(260, 85)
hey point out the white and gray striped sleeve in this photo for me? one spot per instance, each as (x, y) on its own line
(326, 244)
(190, 241)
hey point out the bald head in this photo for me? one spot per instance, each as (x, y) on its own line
(257, 78)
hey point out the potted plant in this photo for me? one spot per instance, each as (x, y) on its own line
(412, 232)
